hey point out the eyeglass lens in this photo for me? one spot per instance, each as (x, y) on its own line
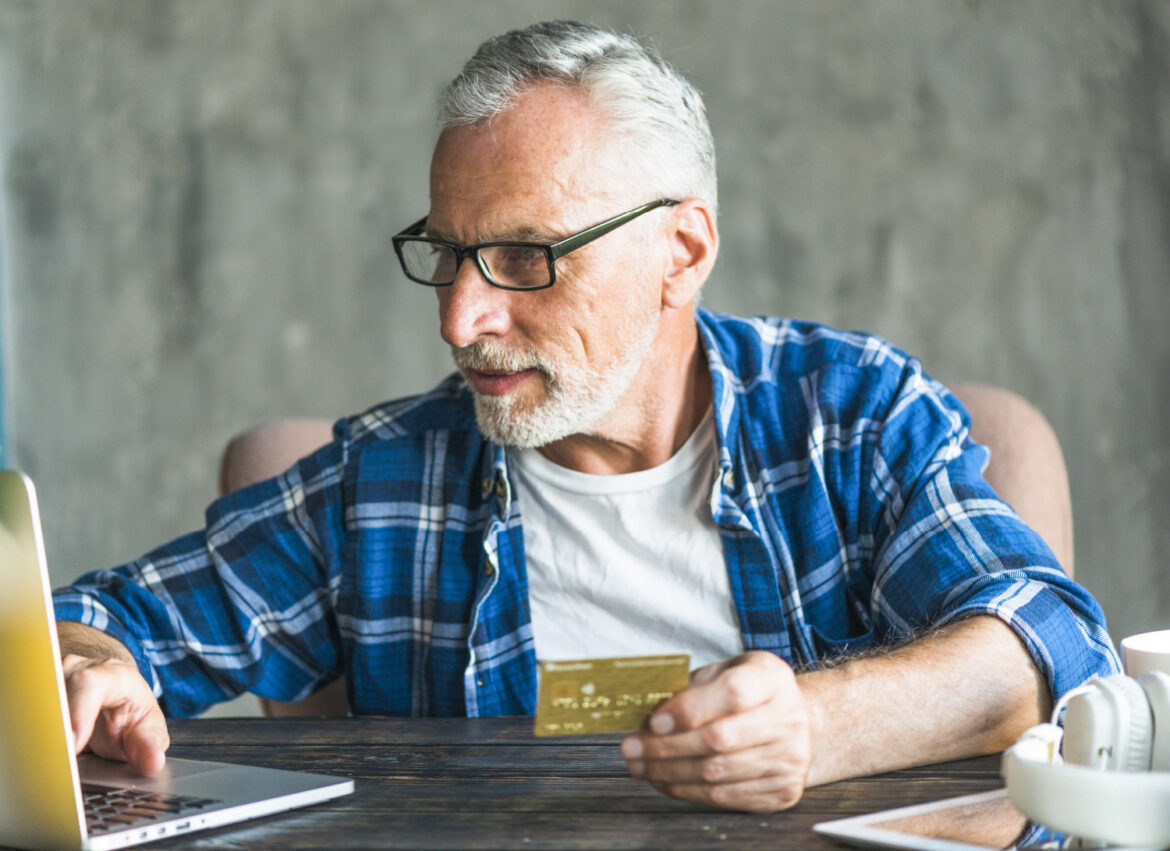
(514, 265)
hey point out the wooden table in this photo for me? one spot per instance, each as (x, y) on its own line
(488, 783)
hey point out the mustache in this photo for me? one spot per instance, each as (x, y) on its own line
(487, 356)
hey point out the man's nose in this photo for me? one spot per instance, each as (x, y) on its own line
(471, 308)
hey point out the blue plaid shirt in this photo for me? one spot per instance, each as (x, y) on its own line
(849, 499)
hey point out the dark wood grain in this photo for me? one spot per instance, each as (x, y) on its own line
(489, 784)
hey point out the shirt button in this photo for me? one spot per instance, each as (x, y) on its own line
(729, 479)
(489, 569)
(487, 486)
(500, 490)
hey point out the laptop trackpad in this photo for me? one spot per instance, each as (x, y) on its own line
(106, 772)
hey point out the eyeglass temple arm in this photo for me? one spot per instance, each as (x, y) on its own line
(415, 229)
(572, 243)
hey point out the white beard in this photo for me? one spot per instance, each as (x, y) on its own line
(575, 400)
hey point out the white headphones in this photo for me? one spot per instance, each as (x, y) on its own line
(1113, 783)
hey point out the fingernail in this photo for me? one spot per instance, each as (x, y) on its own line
(637, 769)
(632, 747)
(662, 724)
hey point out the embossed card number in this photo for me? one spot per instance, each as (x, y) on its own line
(606, 695)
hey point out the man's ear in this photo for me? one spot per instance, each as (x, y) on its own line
(694, 242)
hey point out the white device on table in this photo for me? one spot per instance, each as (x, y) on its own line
(46, 792)
(1110, 781)
(967, 823)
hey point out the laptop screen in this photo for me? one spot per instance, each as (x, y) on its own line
(39, 792)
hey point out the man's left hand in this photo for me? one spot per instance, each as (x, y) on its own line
(738, 737)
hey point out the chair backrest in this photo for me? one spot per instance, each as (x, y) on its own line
(269, 449)
(1027, 470)
(1027, 466)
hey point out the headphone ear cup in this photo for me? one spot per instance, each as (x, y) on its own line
(1157, 688)
(1140, 730)
(1109, 726)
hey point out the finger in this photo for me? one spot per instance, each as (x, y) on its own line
(742, 684)
(708, 672)
(140, 741)
(134, 732)
(744, 731)
(114, 713)
(86, 691)
(145, 744)
(763, 795)
(750, 764)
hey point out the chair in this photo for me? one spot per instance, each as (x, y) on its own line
(1027, 470)
(1027, 466)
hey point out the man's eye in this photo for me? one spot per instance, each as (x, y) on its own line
(523, 254)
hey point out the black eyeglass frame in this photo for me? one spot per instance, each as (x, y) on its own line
(552, 252)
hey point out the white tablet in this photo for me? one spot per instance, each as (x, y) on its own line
(968, 823)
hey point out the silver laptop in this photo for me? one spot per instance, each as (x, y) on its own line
(51, 799)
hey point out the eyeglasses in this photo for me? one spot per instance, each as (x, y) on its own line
(507, 265)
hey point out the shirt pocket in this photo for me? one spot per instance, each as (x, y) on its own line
(831, 647)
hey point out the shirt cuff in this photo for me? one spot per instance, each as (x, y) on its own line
(1063, 630)
(88, 609)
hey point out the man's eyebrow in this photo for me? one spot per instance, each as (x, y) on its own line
(527, 232)
(522, 233)
(435, 233)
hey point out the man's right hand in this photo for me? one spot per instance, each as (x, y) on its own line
(111, 707)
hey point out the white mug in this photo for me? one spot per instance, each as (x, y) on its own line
(1145, 652)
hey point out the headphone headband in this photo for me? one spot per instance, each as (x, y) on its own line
(1127, 808)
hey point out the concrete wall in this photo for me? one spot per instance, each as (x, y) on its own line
(198, 198)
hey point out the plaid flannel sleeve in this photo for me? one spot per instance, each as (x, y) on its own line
(243, 606)
(952, 548)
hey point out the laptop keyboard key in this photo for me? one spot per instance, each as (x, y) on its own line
(108, 809)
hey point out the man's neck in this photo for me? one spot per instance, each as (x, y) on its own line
(653, 419)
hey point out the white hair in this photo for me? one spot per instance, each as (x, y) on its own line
(651, 106)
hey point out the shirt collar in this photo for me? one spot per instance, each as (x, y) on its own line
(725, 388)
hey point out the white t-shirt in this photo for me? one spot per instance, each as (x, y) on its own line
(627, 565)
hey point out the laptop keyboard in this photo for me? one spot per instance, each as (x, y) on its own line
(108, 808)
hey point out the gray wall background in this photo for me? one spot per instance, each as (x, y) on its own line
(198, 198)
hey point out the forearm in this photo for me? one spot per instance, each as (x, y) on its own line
(967, 689)
(77, 639)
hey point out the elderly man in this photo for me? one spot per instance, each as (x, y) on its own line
(613, 471)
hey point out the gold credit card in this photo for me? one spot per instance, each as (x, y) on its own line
(606, 695)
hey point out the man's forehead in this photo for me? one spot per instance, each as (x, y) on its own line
(549, 149)
(481, 156)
